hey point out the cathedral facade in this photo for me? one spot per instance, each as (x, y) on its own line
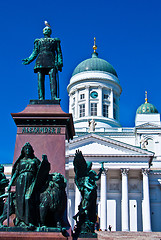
(129, 191)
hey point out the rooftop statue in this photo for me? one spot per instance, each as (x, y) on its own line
(92, 125)
(49, 61)
(85, 180)
(40, 198)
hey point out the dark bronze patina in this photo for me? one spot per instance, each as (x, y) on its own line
(24, 174)
(3, 183)
(40, 198)
(49, 61)
(85, 180)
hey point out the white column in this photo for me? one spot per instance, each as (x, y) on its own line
(125, 208)
(111, 105)
(103, 220)
(99, 107)
(70, 103)
(76, 104)
(77, 199)
(118, 109)
(87, 102)
(146, 202)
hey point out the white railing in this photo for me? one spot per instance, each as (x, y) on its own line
(105, 130)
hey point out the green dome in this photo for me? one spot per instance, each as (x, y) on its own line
(94, 64)
(147, 108)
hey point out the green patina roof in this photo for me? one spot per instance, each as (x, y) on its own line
(94, 64)
(147, 108)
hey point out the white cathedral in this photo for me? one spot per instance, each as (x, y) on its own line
(129, 191)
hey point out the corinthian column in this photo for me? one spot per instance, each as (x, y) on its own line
(146, 202)
(103, 220)
(125, 207)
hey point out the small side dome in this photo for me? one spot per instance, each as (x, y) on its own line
(146, 108)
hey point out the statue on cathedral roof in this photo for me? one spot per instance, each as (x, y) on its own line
(49, 61)
(92, 125)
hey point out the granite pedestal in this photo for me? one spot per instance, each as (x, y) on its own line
(46, 127)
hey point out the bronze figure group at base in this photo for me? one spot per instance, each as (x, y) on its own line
(40, 198)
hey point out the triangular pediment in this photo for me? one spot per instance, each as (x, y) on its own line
(148, 125)
(93, 144)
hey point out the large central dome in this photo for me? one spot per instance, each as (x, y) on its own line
(94, 64)
(94, 92)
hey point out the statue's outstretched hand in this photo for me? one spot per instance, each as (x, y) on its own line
(25, 61)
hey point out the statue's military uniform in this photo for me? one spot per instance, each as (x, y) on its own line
(49, 54)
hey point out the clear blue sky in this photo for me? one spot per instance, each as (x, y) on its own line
(128, 36)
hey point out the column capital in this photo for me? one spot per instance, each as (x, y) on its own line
(145, 171)
(124, 171)
(104, 172)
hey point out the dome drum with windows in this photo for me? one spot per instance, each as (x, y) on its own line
(94, 93)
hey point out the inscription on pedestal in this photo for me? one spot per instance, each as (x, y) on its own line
(41, 130)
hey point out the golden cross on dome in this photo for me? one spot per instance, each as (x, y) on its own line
(146, 97)
(94, 46)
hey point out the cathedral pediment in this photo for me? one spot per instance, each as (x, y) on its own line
(148, 125)
(94, 145)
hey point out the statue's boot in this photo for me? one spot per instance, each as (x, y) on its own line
(31, 227)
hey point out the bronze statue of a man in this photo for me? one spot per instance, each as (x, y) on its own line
(48, 62)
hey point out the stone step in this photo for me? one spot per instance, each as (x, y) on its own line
(129, 235)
